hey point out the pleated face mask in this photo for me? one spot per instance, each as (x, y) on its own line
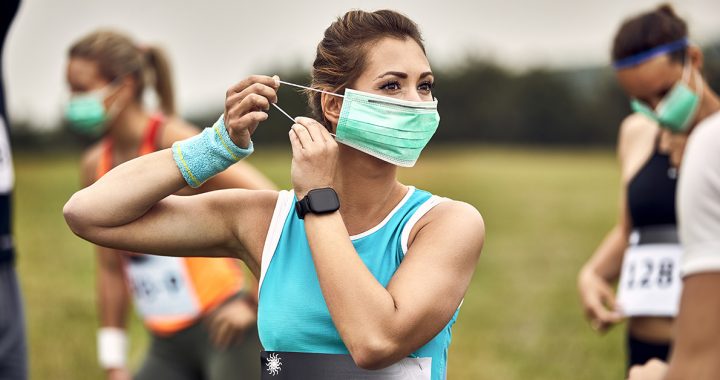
(390, 129)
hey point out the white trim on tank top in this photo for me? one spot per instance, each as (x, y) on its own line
(410, 191)
(419, 213)
(286, 199)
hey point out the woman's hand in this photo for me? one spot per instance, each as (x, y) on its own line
(245, 106)
(118, 374)
(598, 301)
(314, 156)
(230, 321)
(652, 370)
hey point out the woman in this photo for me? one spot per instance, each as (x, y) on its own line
(197, 309)
(659, 70)
(670, 88)
(363, 272)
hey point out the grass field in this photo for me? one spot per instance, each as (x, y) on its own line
(545, 212)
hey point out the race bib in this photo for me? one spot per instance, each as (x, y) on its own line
(6, 166)
(161, 287)
(650, 283)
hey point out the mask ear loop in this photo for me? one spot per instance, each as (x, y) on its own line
(306, 88)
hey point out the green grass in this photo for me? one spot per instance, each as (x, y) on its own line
(545, 212)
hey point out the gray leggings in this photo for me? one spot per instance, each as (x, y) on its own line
(13, 357)
(191, 355)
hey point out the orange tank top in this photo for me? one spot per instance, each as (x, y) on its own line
(172, 293)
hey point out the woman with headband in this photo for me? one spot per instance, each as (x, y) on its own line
(200, 312)
(361, 276)
(670, 89)
(642, 249)
(660, 71)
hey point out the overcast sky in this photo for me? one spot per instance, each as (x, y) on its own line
(213, 43)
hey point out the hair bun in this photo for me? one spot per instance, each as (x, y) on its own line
(667, 9)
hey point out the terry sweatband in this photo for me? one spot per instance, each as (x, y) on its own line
(208, 153)
(112, 344)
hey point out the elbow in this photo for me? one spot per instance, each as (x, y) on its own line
(73, 213)
(375, 353)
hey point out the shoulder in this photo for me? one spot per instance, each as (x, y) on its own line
(702, 153)
(635, 129)
(636, 142)
(453, 220)
(89, 163)
(706, 135)
(176, 129)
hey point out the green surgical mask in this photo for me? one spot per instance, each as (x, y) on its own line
(86, 112)
(677, 109)
(390, 129)
(393, 130)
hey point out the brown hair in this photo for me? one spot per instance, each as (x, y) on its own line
(648, 30)
(341, 54)
(117, 55)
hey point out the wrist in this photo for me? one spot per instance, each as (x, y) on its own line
(212, 151)
(317, 201)
(112, 345)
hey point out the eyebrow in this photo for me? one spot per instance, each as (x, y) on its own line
(403, 75)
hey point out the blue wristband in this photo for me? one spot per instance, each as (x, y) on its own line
(208, 153)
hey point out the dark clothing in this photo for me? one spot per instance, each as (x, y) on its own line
(651, 193)
(640, 351)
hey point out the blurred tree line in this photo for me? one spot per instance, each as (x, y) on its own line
(479, 102)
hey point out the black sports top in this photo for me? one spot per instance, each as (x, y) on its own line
(651, 193)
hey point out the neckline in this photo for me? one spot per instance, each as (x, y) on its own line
(410, 191)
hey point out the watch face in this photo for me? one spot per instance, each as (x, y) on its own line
(323, 200)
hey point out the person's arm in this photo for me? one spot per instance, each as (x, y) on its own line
(382, 325)
(113, 298)
(113, 301)
(241, 175)
(131, 207)
(635, 140)
(696, 349)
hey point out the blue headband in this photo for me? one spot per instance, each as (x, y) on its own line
(641, 57)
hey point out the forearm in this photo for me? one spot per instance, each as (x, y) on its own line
(125, 193)
(113, 297)
(697, 344)
(607, 259)
(363, 311)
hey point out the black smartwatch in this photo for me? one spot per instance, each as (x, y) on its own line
(318, 201)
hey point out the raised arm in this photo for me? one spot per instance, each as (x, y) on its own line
(131, 208)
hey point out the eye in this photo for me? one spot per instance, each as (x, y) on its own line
(426, 86)
(390, 86)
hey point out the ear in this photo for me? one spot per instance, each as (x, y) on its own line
(696, 57)
(331, 106)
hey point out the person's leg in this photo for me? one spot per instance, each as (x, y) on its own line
(13, 356)
(240, 361)
(170, 358)
(640, 351)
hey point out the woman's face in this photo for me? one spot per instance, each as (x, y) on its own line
(83, 75)
(397, 68)
(650, 81)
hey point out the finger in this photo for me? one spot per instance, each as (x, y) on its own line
(252, 102)
(313, 128)
(259, 89)
(303, 135)
(247, 82)
(225, 335)
(295, 143)
(252, 119)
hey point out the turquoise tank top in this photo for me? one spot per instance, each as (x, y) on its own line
(292, 314)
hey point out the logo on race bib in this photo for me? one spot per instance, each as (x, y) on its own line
(273, 364)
